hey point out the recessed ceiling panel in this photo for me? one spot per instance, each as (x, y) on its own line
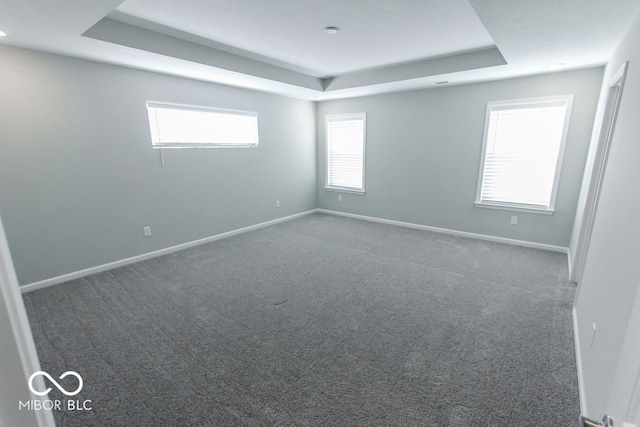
(371, 34)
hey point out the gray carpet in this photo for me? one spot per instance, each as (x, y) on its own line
(320, 321)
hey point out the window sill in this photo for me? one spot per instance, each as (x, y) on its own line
(205, 146)
(344, 190)
(506, 207)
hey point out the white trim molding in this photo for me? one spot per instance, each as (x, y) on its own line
(19, 323)
(100, 268)
(578, 351)
(524, 243)
(508, 207)
(487, 184)
(569, 263)
(336, 118)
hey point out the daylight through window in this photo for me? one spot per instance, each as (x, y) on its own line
(177, 126)
(522, 153)
(345, 151)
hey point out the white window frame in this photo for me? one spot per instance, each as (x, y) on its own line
(524, 103)
(339, 117)
(158, 143)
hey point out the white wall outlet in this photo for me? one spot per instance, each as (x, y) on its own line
(147, 231)
(514, 220)
(277, 203)
(339, 197)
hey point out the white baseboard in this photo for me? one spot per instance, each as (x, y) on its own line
(100, 268)
(97, 269)
(576, 341)
(487, 237)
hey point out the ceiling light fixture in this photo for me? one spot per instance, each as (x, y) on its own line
(2, 34)
(331, 30)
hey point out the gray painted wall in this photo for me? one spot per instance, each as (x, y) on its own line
(611, 277)
(79, 179)
(423, 155)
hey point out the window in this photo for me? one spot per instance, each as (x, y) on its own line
(522, 153)
(345, 151)
(177, 126)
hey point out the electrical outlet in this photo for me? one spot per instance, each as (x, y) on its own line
(514, 220)
(339, 197)
(277, 203)
(147, 231)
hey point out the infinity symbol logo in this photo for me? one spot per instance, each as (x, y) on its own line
(44, 374)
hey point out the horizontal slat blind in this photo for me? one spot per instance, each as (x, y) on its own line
(522, 148)
(177, 126)
(345, 151)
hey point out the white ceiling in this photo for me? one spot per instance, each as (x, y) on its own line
(373, 33)
(279, 45)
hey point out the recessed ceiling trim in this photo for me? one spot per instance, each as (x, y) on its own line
(490, 57)
(132, 36)
(183, 35)
(109, 30)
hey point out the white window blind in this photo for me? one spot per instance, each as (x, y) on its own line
(345, 151)
(523, 152)
(185, 126)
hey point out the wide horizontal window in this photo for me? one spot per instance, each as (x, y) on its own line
(177, 126)
(345, 151)
(522, 153)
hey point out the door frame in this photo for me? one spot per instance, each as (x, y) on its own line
(603, 145)
(19, 323)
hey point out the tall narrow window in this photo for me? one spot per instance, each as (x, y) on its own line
(345, 151)
(177, 126)
(522, 153)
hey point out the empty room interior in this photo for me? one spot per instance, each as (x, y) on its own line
(320, 213)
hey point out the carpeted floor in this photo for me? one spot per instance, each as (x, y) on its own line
(320, 321)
